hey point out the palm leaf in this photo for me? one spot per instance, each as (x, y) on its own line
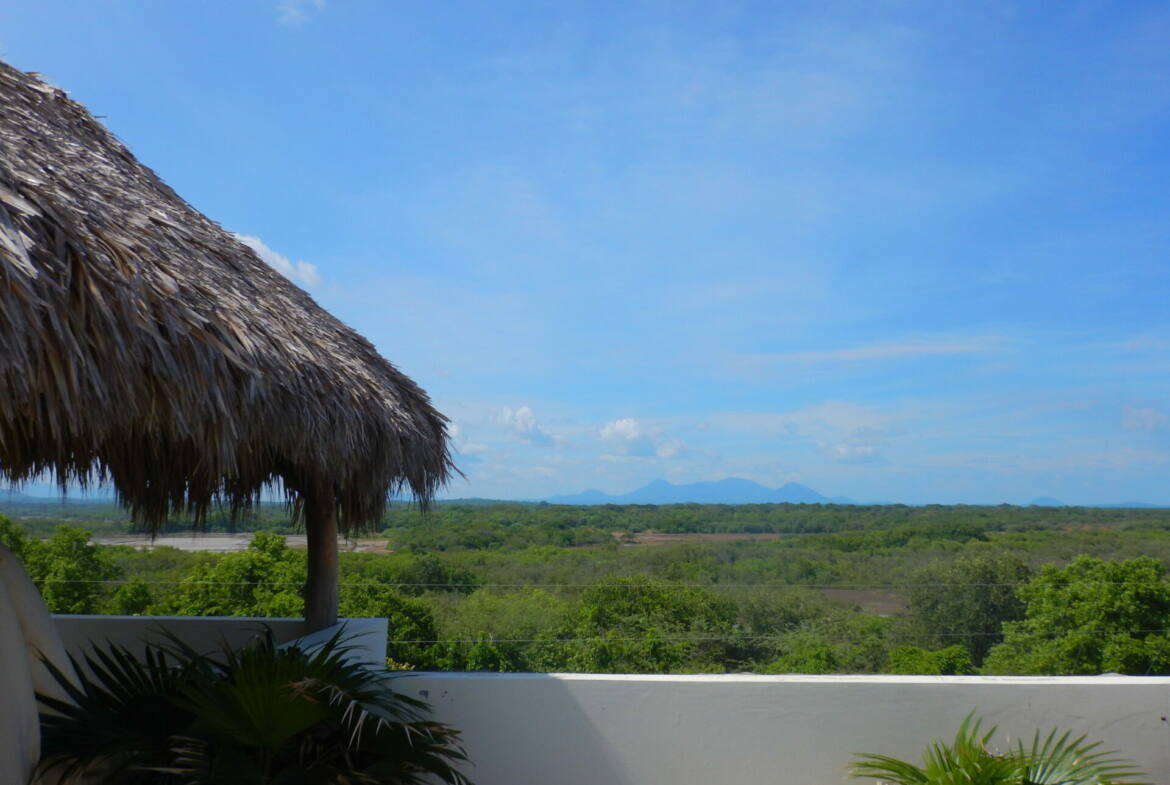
(969, 760)
(317, 715)
(117, 720)
(1065, 761)
(262, 715)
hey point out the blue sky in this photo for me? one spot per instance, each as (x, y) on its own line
(909, 251)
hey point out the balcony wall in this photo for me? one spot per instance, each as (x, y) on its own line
(522, 729)
(540, 729)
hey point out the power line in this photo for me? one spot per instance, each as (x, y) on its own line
(773, 636)
(629, 586)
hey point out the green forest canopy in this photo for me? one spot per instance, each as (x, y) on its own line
(759, 588)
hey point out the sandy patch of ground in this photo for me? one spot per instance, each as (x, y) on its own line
(882, 602)
(229, 543)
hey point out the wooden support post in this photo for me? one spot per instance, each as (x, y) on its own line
(321, 586)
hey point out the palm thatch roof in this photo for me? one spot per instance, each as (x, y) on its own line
(143, 345)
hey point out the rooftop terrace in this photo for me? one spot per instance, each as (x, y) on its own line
(575, 729)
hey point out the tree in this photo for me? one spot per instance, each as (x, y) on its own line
(843, 641)
(1093, 616)
(409, 574)
(912, 660)
(643, 625)
(265, 580)
(71, 573)
(768, 615)
(965, 602)
(132, 598)
(504, 629)
(411, 630)
(12, 537)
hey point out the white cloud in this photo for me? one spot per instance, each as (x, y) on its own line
(1149, 420)
(295, 12)
(853, 453)
(626, 429)
(630, 438)
(823, 420)
(521, 424)
(844, 432)
(887, 351)
(460, 443)
(299, 272)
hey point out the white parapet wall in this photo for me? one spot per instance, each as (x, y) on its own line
(541, 729)
(366, 637)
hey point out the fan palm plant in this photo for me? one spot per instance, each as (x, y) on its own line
(259, 716)
(970, 760)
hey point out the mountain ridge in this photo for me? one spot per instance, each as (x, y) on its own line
(738, 490)
(730, 490)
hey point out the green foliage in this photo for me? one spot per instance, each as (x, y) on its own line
(68, 570)
(951, 661)
(486, 531)
(118, 720)
(510, 525)
(409, 574)
(132, 598)
(260, 716)
(506, 628)
(967, 600)
(409, 620)
(265, 580)
(12, 537)
(839, 642)
(914, 536)
(1093, 616)
(448, 522)
(970, 760)
(498, 588)
(641, 625)
(767, 617)
(1061, 760)
(805, 654)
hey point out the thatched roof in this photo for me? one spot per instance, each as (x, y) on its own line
(142, 344)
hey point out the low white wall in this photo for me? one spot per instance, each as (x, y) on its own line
(208, 634)
(538, 729)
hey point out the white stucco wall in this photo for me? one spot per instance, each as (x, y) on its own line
(529, 729)
(542, 729)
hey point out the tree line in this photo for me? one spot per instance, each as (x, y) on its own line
(978, 589)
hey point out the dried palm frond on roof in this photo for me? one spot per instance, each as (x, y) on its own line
(142, 344)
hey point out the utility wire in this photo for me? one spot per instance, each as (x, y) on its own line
(774, 636)
(631, 586)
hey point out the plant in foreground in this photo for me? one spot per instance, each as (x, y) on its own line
(259, 716)
(970, 760)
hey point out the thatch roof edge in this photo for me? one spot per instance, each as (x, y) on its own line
(142, 344)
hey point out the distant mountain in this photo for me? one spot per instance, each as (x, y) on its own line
(7, 495)
(1046, 501)
(733, 490)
